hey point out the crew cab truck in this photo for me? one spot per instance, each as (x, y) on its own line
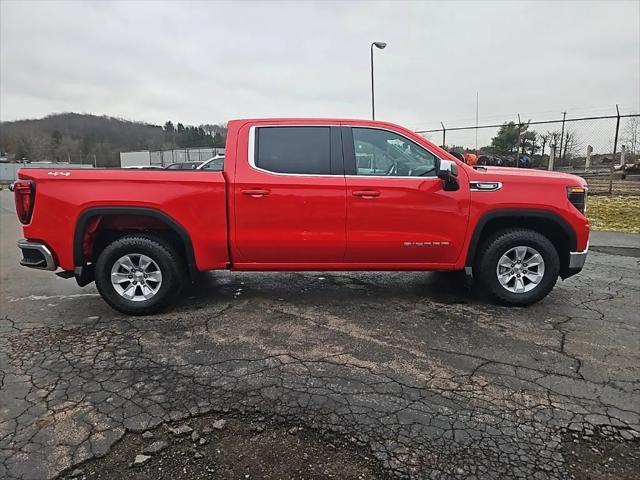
(305, 194)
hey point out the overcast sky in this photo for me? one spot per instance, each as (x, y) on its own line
(207, 62)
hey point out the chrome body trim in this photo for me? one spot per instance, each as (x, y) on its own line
(50, 264)
(484, 186)
(252, 159)
(429, 177)
(252, 153)
(577, 259)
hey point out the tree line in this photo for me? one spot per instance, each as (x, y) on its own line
(190, 136)
(513, 139)
(98, 140)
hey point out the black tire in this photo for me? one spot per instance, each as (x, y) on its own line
(162, 253)
(495, 246)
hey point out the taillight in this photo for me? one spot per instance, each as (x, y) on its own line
(25, 194)
(578, 197)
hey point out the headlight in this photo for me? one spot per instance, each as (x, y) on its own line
(578, 197)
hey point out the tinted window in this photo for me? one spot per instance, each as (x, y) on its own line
(303, 150)
(384, 153)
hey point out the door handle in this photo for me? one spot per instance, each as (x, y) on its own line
(255, 192)
(366, 193)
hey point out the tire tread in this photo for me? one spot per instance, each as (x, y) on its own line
(495, 243)
(146, 241)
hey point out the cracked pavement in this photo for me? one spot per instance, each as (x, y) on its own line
(431, 379)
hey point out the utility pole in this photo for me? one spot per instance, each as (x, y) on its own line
(615, 147)
(564, 115)
(518, 143)
(477, 109)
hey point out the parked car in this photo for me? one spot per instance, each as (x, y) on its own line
(495, 161)
(488, 161)
(183, 166)
(293, 195)
(524, 161)
(215, 163)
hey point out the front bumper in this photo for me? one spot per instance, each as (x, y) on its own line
(36, 255)
(576, 262)
(577, 259)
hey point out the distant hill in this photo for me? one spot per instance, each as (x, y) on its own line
(83, 138)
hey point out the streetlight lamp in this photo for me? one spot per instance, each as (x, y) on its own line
(379, 45)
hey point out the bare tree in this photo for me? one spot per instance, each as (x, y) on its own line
(572, 144)
(554, 140)
(69, 150)
(632, 134)
(544, 138)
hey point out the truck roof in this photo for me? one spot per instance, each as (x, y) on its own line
(313, 120)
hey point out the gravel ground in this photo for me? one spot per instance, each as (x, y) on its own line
(238, 448)
(388, 374)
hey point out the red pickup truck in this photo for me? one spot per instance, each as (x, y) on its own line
(305, 194)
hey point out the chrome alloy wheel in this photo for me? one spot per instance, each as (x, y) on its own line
(520, 269)
(136, 277)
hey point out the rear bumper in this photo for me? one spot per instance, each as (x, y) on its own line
(36, 255)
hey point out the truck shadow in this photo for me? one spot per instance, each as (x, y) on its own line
(328, 287)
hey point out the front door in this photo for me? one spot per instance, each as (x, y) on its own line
(397, 210)
(290, 205)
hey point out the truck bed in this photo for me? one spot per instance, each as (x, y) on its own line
(195, 200)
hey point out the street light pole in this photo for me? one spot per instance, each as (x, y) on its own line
(379, 45)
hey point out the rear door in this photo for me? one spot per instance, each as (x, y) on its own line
(290, 196)
(397, 210)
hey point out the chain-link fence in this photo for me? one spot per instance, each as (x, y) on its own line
(605, 150)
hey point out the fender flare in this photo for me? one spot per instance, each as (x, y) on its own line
(84, 273)
(517, 213)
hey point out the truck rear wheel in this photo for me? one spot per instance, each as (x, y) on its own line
(138, 274)
(518, 266)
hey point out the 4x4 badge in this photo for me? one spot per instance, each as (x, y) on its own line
(55, 174)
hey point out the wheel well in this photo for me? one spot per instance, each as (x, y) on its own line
(555, 229)
(112, 227)
(98, 228)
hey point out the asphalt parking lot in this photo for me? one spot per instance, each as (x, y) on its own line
(370, 375)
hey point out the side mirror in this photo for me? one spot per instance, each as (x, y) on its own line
(447, 172)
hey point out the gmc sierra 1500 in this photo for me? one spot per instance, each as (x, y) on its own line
(305, 194)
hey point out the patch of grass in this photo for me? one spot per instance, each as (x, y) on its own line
(614, 214)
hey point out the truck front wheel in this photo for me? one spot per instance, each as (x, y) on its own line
(517, 266)
(138, 274)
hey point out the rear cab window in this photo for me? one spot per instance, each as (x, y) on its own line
(298, 150)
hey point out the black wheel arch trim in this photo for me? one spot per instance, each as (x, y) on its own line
(84, 272)
(517, 213)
